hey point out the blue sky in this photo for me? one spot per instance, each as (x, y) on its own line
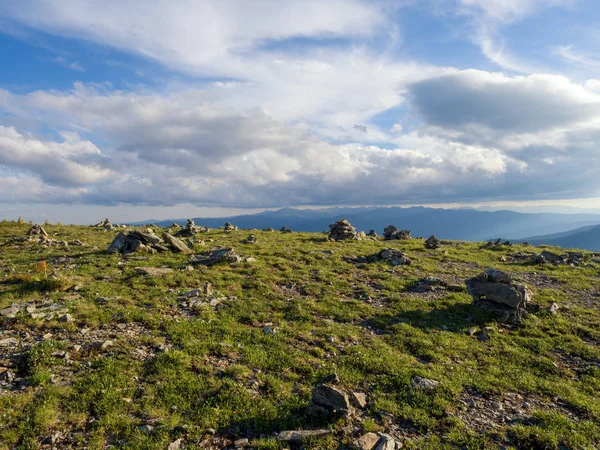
(166, 109)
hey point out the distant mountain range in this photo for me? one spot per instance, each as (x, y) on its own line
(587, 238)
(460, 224)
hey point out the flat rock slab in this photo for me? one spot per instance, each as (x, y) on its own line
(221, 255)
(300, 435)
(153, 271)
(176, 245)
(424, 384)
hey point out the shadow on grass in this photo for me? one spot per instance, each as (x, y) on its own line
(455, 318)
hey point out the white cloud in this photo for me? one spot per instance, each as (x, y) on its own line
(70, 163)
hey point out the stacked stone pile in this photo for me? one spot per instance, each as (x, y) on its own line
(391, 233)
(342, 230)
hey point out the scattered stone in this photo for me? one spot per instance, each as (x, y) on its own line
(328, 402)
(229, 227)
(550, 257)
(424, 384)
(175, 445)
(358, 400)
(367, 441)
(146, 428)
(176, 245)
(391, 233)
(387, 442)
(428, 284)
(220, 255)
(483, 337)
(392, 256)
(68, 318)
(241, 443)
(8, 342)
(332, 378)
(554, 308)
(342, 231)
(269, 229)
(153, 271)
(11, 312)
(432, 242)
(300, 435)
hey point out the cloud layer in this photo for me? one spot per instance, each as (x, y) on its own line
(287, 104)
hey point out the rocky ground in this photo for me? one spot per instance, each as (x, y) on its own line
(270, 339)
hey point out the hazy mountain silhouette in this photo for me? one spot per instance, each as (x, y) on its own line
(466, 224)
(587, 238)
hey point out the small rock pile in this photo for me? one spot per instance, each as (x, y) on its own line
(190, 229)
(285, 230)
(433, 284)
(432, 242)
(229, 227)
(372, 233)
(569, 258)
(139, 241)
(495, 291)
(389, 255)
(37, 230)
(391, 233)
(342, 230)
(220, 255)
(491, 245)
(251, 239)
(269, 229)
(392, 256)
(104, 224)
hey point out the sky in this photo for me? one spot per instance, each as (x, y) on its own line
(138, 109)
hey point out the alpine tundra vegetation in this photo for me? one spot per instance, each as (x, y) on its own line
(293, 340)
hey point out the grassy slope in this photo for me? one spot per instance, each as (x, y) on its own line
(223, 372)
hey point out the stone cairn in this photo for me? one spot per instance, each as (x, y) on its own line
(190, 229)
(230, 227)
(391, 233)
(104, 224)
(495, 291)
(285, 230)
(372, 233)
(432, 242)
(139, 241)
(342, 230)
(37, 230)
(251, 239)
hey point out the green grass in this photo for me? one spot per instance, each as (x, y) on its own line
(192, 373)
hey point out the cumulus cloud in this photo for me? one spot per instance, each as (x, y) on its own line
(500, 102)
(176, 148)
(295, 126)
(69, 163)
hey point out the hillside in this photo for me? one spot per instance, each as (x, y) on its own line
(164, 350)
(464, 224)
(585, 237)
